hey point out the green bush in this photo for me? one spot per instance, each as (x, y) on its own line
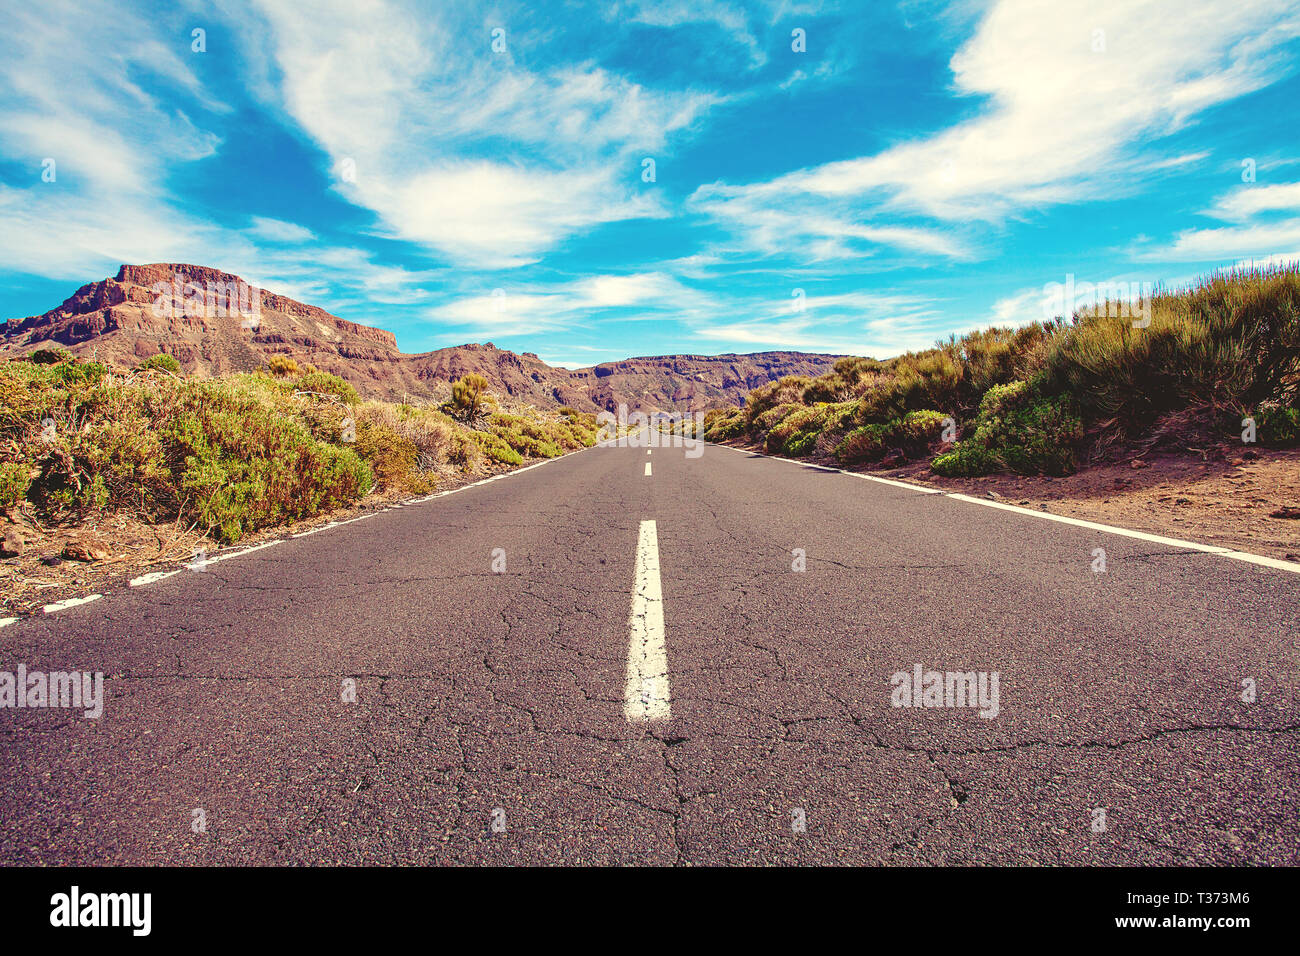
(50, 356)
(162, 361)
(78, 373)
(496, 448)
(1030, 432)
(965, 460)
(1278, 426)
(246, 467)
(326, 384)
(1230, 341)
(538, 438)
(724, 424)
(918, 429)
(282, 365)
(467, 394)
(234, 454)
(865, 444)
(794, 434)
(1020, 428)
(15, 476)
(912, 434)
(784, 391)
(213, 452)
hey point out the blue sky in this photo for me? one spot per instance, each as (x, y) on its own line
(918, 169)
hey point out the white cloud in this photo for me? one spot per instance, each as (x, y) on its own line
(1231, 242)
(277, 230)
(730, 18)
(64, 95)
(858, 323)
(1269, 261)
(579, 302)
(1021, 308)
(1249, 200)
(495, 215)
(809, 229)
(67, 96)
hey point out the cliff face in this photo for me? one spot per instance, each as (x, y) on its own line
(214, 323)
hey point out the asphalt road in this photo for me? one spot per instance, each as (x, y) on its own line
(541, 715)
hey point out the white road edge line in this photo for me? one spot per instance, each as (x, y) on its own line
(71, 602)
(1225, 552)
(645, 698)
(155, 576)
(151, 577)
(238, 554)
(1140, 535)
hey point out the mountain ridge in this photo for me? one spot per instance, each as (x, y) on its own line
(214, 323)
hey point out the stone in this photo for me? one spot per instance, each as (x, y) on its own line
(11, 545)
(86, 548)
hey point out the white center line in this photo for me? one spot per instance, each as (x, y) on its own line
(647, 469)
(646, 695)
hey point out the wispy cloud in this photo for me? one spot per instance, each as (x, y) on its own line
(585, 301)
(1264, 219)
(861, 323)
(1067, 90)
(461, 147)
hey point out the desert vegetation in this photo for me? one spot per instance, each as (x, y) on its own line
(235, 454)
(1047, 397)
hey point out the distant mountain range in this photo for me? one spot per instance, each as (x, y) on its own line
(214, 324)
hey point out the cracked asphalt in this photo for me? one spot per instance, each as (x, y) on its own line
(485, 697)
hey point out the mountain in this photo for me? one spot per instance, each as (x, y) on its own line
(214, 323)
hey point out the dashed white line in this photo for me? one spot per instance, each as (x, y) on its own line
(6, 621)
(647, 469)
(645, 697)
